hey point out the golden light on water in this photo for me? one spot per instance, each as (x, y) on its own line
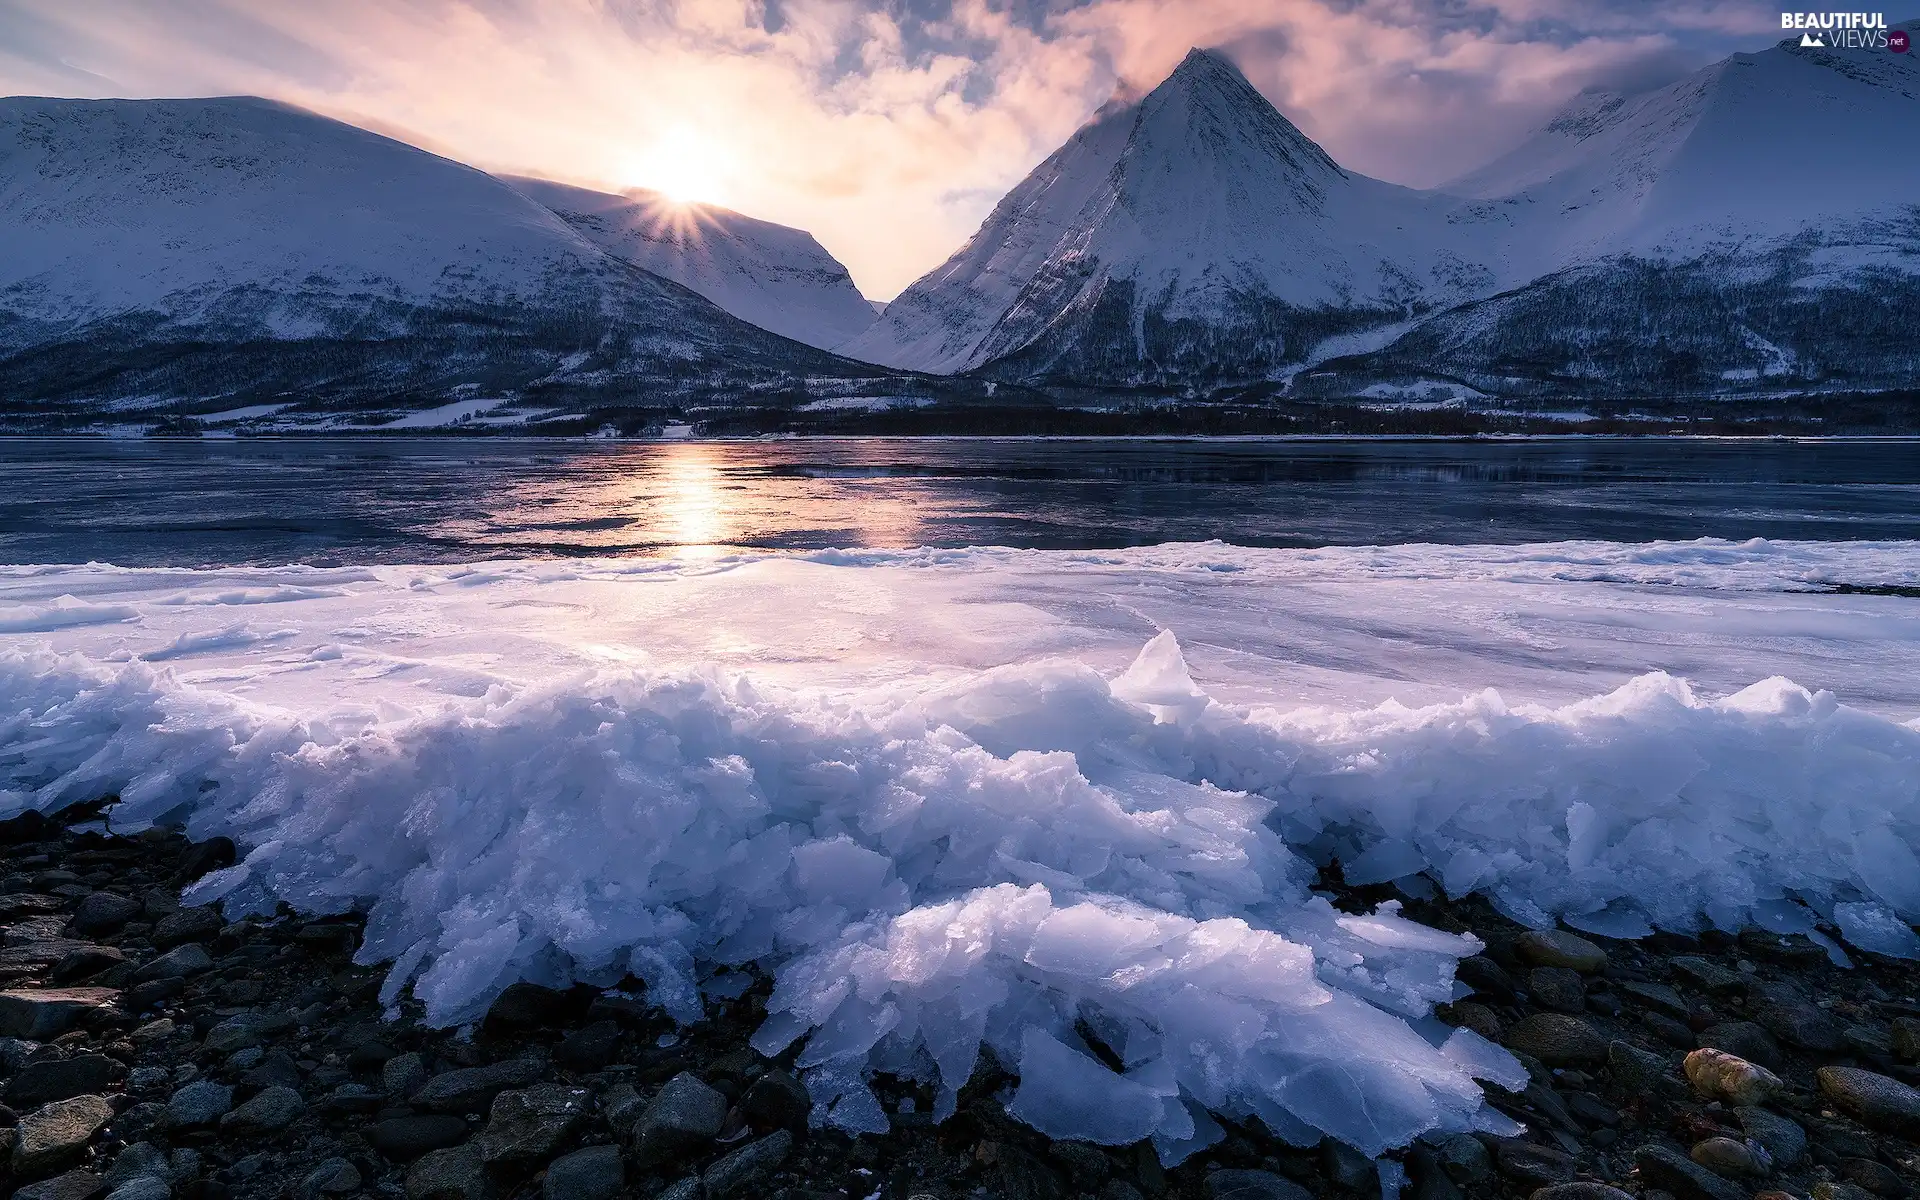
(695, 513)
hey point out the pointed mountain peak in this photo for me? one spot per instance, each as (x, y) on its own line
(1202, 68)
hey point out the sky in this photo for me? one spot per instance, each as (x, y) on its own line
(888, 128)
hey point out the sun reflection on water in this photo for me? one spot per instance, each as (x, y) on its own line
(696, 513)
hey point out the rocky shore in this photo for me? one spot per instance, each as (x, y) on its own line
(152, 1051)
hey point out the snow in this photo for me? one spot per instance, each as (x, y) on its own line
(777, 277)
(1059, 807)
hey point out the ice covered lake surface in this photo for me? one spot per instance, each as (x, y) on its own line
(1072, 785)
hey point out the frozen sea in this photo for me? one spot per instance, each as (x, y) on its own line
(991, 744)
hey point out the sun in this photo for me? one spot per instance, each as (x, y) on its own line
(684, 166)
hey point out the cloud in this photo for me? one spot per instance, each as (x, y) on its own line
(886, 127)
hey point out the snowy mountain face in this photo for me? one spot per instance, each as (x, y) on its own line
(1755, 225)
(774, 276)
(241, 248)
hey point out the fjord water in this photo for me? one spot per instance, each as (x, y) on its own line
(324, 501)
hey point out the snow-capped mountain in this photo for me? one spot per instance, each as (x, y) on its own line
(241, 248)
(1755, 225)
(777, 277)
(1194, 230)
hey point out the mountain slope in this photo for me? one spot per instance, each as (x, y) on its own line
(774, 276)
(1196, 230)
(1755, 226)
(239, 248)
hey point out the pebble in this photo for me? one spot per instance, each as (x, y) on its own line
(177, 963)
(1874, 1176)
(1558, 1040)
(1486, 977)
(104, 912)
(333, 1177)
(594, 1173)
(473, 1088)
(1580, 1189)
(270, 1111)
(1253, 1185)
(143, 1187)
(1554, 948)
(1558, 988)
(404, 1139)
(740, 1173)
(1634, 1069)
(684, 1115)
(776, 1100)
(1782, 1136)
(1904, 1039)
(60, 1079)
(1725, 1156)
(1657, 996)
(452, 1174)
(1874, 1100)
(403, 1074)
(197, 1104)
(1722, 1076)
(74, 1185)
(1801, 1024)
(42, 1014)
(186, 925)
(141, 1158)
(1745, 1040)
(1707, 975)
(55, 1134)
(525, 1127)
(1532, 1163)
(1686, 1179)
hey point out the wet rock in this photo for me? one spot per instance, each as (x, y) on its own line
(451, 1174)
(1904, 1039)
(53, 1135)
(178, 963)
(473, 1088)
(1874, 1100)
(1530, 1163)
(211, 855)
(1707, 975)
(525, 1127)
(1656, 996)
(776, 1100)
(60, 1079)
(1782, 1137)
(1730, 1159)
(104, 912)
(1554, 948)
(1633, 1068)
(84, 962)
(73, 1185)
(595, 1173)
(1743, 1039)
(198, 1104)
(404, 1139)
(1801, 1024)
(1722, 1076)
(333, 1177)
(1465, 1014)
(1686, 1179)
(269, 1112)
(685, 1115)
(1253, 1185)
(591, 1048)
(1486, 977)
(1558, 988)
(1558, 1040)
(42, 1014)
(741, 1173)
(1580, 1190)
(186, 925)
(403, 1074)
(144, 1187)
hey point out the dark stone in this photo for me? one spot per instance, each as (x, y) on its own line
(84, 962)
(187, 959)
(591, 1048)
(740, 1173)
(684, 1116)
(1707, 975)
(1873, 1176)
(404, 1139)
(528, 1006)
(74, 1185)
(524, 1128)
(1874, 1100)
(1743, 1039)
(187, 925)
(1656, 996)
(54, 1135)
(1780, 1136)
(61, 1079)
(472, 1089)
(29, 826)
(1486, 977)
(1253, 1185)
(142, 996)
(199, 1103)
(1558, 1040)
(1673, 1033)
(1801, 1024)
(455, 1173)
(1686, 1179)
(1558, 988)
(1581, 1189)
(1530, 1163)
(104, 912)
(1634, 1069)
(269, 1112)
(777, 1100)
(211, 855)
(594, 1173)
